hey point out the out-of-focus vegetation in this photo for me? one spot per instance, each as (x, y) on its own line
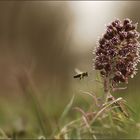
(39, 50)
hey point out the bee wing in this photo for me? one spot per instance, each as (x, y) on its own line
(78, 71)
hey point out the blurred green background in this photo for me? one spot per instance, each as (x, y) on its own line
(48, 40)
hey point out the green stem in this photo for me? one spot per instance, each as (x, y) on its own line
(26, 83)
(38, 113)
(107, 93)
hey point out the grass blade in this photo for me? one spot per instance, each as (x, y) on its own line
(67, 109)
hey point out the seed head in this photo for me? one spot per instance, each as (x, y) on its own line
(117, 53)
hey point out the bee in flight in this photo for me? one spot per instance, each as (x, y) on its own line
(80, 74)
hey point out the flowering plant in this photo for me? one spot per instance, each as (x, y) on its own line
(117, 53)
(116, 58)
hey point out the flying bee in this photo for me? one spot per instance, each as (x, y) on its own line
(80, 74)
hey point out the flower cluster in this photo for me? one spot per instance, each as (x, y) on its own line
(117, 54)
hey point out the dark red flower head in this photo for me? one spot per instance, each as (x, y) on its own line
(117, 53)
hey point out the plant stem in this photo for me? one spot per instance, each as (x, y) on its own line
(106, 89)
(29, 90)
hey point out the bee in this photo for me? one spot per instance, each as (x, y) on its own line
(80, 74)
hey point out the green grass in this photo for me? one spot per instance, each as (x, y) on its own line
(54, 115)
